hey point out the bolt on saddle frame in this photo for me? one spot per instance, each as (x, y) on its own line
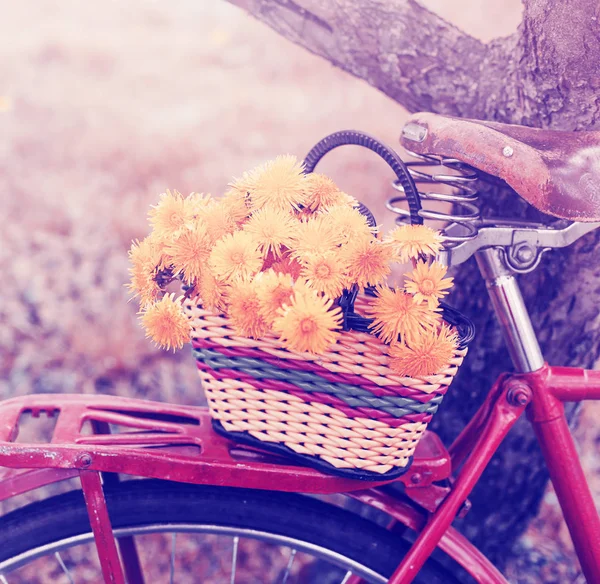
(176, 443)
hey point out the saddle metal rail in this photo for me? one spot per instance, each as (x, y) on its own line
(523, 243)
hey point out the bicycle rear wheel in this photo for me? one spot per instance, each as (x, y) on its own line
(302, 536)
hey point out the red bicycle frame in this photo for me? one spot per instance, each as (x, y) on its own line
(177, 443)
(185, 449)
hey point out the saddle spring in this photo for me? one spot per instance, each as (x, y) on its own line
(460, 221)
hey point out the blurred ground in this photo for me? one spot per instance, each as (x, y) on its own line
(102, 107)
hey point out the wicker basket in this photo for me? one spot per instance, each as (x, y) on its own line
(344, 412)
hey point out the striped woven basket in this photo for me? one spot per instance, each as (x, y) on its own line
(344, 412)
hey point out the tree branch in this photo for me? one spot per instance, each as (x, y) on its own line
(411, 54)
(560, 65)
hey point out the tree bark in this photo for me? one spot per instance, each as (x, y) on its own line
(545, 75)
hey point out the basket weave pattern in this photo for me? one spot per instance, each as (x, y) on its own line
(345, 407)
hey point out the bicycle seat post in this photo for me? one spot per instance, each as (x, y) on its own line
(510, 310)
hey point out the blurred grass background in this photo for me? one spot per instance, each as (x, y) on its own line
(105, 105)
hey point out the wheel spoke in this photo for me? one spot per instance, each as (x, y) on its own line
(236, 541)
(64, 567)
(347, 577)
(288, 568)
(173, 546)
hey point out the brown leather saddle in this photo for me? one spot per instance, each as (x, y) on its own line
(557, 172)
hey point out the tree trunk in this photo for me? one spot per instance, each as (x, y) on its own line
(545, 75)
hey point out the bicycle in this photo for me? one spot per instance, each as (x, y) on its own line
(191, 480)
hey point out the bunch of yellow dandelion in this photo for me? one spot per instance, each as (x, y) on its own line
(274, 290)
(395, 314)
(427, 354)
(325, 272)
(236, 255)
(275, 252)
(308, 323)
(427, 283)
(244, 309)
(166, 324)
(279, 184)
(171, 215)
(411, 241)
(271, 229)
(368, 261)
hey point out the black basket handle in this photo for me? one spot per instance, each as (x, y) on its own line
(347, 137)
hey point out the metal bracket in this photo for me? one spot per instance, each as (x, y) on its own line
(525, 252)
(523, 243)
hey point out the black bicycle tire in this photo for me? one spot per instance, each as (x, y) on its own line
(137, 503)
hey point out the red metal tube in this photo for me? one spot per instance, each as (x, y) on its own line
(573, 493)
(13, 483)
(568, 479)
(572, 384)
(501, 420)
(458, 547)
(112, 571)
(131, 560)
(551, 386)
(127, 546)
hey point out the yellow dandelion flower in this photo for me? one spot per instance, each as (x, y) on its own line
(274, 291)
(211, 291)
(244, 309)
(236, 255)
(308, 323)
(170, 215)
(322, 192)
(325, 272)
(217, 219)
(428, 354)
(237, 203)
(243, 185)
(313, 235)
(350, 201)
(198, 202)
(349, 223)
(368, 261)
(272, 229)
(279, 184)
(428, 283)
(189, 251)
(166, 323)
(289, 266)
(395, 313)
(410, 241)
(146, 259)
